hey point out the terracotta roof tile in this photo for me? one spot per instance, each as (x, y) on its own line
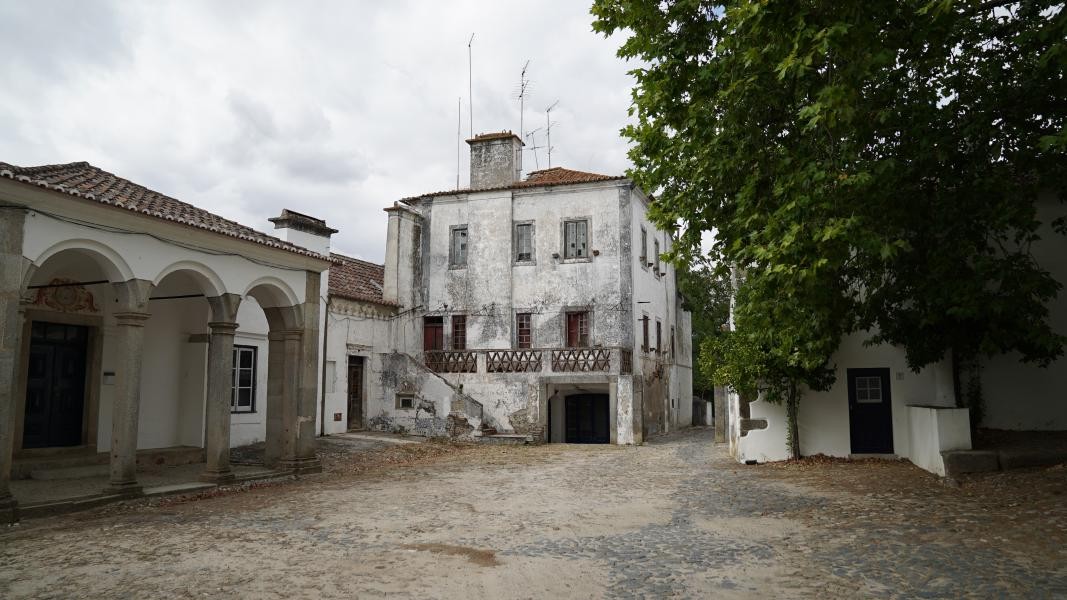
(83, 180)
(357, 279)
(544, 177)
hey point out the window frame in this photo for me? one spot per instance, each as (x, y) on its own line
(582, 314)
(655, 247)
(453, 259)
(518, 330)
(399, 398)
(659, 336)
(588, 221)
(439, 324)
(235, 408)
(458, 323)
(644, 334)
(532, 260)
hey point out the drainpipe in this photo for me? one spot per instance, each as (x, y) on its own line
(322, 392)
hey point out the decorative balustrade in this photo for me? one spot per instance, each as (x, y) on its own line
(562, 360)
(451, 361)
(513, 361)
(581, 359)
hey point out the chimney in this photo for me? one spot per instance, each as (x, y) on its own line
(496, 160)
(302, 230)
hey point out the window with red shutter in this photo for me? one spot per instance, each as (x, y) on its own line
(459, 332)
(433, 333)
(523, 331)
(578, 329)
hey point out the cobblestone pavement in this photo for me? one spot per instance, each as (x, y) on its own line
(674, 518)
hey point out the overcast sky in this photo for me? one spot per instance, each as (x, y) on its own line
(334, 109)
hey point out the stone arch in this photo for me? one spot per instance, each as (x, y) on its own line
(110, 262)
(271, 292)
(205, 277)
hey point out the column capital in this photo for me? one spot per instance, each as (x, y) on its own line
(222, 327)
(132, 296)
(132, 318)
(224, 307)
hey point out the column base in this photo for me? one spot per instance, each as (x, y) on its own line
(129, 489)
(218, 477)
(301, 466)
(9, 510)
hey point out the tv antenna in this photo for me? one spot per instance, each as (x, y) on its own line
(548, 130)
(470, 82)
(459, 136)
(524, 84)
(532, 146)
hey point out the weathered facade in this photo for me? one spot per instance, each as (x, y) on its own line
(131, 321)
(524, 305)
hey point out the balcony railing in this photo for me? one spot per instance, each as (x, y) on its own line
(531, 360)
(513, 361)
(451, 361)
(572, 360)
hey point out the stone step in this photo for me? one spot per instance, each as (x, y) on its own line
(81, 472)
(516, 439)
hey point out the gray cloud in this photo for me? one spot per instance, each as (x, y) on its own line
(336, 109)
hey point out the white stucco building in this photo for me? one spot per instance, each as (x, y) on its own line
(877, 406)
(536, 307)
(131, 321)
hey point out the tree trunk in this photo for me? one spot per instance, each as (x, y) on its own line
(791, 406)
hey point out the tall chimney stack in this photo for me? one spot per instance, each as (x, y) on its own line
(496, 160)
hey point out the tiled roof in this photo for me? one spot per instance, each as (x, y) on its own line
(544, 177)
(357, 279)
(83, 180)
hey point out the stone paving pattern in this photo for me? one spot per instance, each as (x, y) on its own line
(675, 518)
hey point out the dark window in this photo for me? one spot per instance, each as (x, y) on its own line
(524, 242)
(575, 239)
(644, 248)
(672, 342)
(457, 252)
(644, 333)
(405, 400)
(523, 331)
(655, 248)
(459, 332)
(243, 395)
(659, 336)
(578, 329)
(433, 333)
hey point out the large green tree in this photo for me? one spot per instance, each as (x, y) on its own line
(874, 164)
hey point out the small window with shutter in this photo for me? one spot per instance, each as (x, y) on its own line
(576, 239)
(524, 242)
(457, 251)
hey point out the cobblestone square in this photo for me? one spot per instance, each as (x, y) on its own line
(673, 518)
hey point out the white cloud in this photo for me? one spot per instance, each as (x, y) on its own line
(334, 109)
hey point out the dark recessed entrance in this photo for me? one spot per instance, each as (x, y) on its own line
(587, 419)
(55, 385)
(870, 411)
(355, 392)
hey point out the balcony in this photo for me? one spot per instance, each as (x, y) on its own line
(531, 360)
(451, 361)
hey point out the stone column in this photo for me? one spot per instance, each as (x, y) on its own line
(276, 394)
(219, 387)
(304, 355)
(12, 269)
(132, 298)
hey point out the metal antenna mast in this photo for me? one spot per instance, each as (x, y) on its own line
(470, 82)
(534, 147)
(548, 130)
(523, 83)
(459, 136)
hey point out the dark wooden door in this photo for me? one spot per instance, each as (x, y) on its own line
(870, 411)
(355, 392)
(55, 386)
(587, 419)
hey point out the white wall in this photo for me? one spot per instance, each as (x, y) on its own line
(1024, 396)
(355, 329)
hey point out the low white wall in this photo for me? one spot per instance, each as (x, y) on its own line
(933, 430)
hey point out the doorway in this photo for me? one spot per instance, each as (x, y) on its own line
(355, 392)
(870, 411)
(55, 385)
(587, 419)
